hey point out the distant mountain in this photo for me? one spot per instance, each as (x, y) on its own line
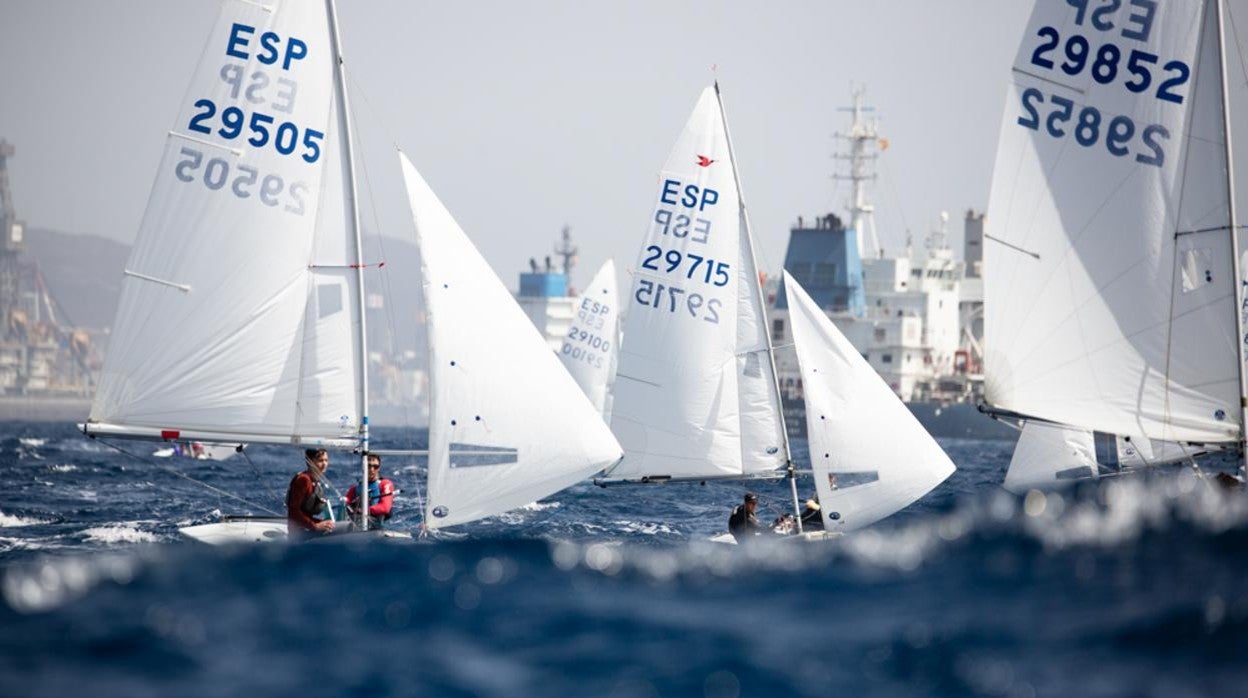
(83, 273)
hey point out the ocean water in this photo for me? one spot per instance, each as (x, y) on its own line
(1130, 586)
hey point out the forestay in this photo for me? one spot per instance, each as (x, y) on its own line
(1110, 275)
(694, 396)
(870, 456)
(238, 314)
(590, 349)
(508, 425)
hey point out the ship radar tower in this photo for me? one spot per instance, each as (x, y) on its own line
(863, 139)
(565, 249)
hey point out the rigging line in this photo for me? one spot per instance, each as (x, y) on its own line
(1012, 246)
(184, 476)
(256, 471)
(387, 287)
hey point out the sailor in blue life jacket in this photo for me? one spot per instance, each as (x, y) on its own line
(380, 495)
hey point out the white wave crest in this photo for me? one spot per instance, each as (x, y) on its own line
(118, 534)
(11, 521)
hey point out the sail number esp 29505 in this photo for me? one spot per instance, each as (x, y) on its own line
(1115, 57)
(262, 96)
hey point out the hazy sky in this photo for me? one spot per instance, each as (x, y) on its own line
(524, 116)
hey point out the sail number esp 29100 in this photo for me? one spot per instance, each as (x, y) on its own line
(680, 280)
(262, 99)
(1110, 44)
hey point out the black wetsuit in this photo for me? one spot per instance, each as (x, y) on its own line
(742, 524)
(812, 520)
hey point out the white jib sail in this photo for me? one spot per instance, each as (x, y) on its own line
(1110, 284)
(238, 313)
(689, 394)
(508, 425)
(870, 457)
(1048, 455)
(592, 345)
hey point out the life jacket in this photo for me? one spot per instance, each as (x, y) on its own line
(315, 502)
(376, 490)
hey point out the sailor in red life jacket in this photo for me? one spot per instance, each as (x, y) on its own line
(380, 495)
(304, 499)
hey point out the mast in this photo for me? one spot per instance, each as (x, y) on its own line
(344, 122)
(1234, 222)
(771, 355)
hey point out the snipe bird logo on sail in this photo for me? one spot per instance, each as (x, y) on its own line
(704, 161)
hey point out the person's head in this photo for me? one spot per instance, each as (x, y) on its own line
(812, 505)
(751, 501)
(318, 461)
(374, 467)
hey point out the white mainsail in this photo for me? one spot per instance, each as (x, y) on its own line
(489, 449)
(695, 395)
(591, 347)
(239, 313)
(1109, 270)
(870, 456)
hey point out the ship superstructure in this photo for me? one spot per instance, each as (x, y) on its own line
(545, 293)
(908, 315)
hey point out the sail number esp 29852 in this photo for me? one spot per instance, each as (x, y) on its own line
(1115, 57)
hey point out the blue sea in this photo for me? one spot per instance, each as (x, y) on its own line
(1134, 586)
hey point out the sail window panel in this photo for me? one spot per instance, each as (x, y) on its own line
(1196, 269)
(473, 455)
(844, 481)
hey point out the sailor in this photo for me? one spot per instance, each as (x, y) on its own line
(812, 519)
(304, 498)
(743, 523)
(380, 495)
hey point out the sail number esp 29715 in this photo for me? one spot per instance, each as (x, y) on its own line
(677, 267)
(1115, 58)
(262, 96)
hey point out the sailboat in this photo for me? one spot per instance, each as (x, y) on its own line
(591, 347)
(1049, 455)
(241, 317)
(696, 392)
(1111, 275)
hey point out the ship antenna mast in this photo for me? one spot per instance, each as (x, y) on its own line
(863, 139)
